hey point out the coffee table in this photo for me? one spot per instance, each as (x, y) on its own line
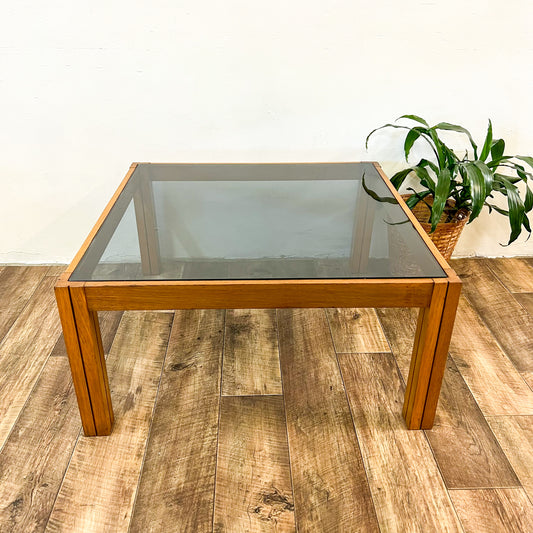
(216, 236)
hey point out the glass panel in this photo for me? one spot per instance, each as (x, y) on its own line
(256, 221)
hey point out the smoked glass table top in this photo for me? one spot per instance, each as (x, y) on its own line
(256, 221)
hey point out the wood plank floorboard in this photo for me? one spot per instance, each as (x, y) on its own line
(330, 487)
(526, 300)
(399, 326)
(55, 270)
(515, 434)
(510, 325)
(356, 330)
(494, 510)
(466, 450)
(17, 284)
(24, 352)
(178, 479)
(290, 454)
(494, 381)
(251, 356)
(412, 495)
(98, 491)
(253, 486)
(515, 273)
(35, 457)
(468, 454)
(108, 320)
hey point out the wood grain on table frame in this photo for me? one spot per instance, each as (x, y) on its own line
(246, 294)
(434, 329)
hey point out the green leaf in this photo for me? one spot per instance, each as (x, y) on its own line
(525, 223)
(400, 176)
(425, 179)
(397, 223)
(416, 197)
(528, 202)
(459, 129)
(375, 196)
(526, 159)
(487, 176)
(424, 133)
(495, 163)
(415, 118)
(412, 136)
(430, 164)
(488, 143)
(450, 156)
(497, 149)
(516, 209)
(520, 170)
(440, 197)
(523, 175)
(509, 178)
(438, 148)
(380, 128)
(476, 184)
(499, 210)
(396, 126)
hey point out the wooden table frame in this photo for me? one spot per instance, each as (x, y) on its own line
(79, 302)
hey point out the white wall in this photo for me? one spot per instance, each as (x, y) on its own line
(87, 89)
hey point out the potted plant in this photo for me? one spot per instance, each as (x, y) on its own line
(454, 188)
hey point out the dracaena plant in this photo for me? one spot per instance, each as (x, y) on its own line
(466, 182)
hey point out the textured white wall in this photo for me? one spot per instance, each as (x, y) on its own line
(87, 89)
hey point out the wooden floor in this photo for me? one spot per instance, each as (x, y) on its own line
(269, 420)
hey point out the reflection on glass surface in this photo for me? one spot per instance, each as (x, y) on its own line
(256, 221)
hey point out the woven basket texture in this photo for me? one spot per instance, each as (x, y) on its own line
(446, 234)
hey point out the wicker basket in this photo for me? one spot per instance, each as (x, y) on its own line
(446, 234)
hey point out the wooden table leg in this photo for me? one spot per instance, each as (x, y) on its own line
(86, 356)
(430, 351)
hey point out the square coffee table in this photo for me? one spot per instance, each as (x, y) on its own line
(217, 236)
